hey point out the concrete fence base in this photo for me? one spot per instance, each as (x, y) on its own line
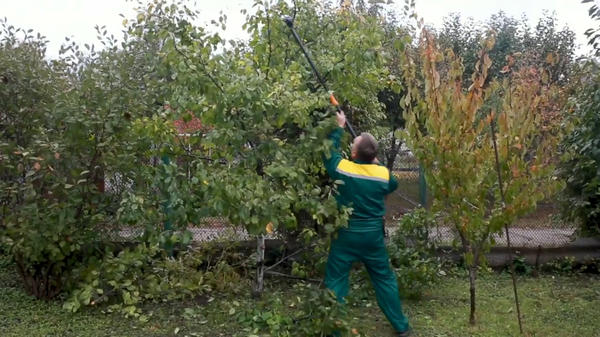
(582, 250)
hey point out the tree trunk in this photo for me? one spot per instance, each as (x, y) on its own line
(40, 283)
(260, 266)
(472, 279)
(391, 156)
(472, 265)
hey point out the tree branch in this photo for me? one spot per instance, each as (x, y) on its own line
(274, 273)
(205, 70)
(269, 39)
(289, 256)
(295, 10)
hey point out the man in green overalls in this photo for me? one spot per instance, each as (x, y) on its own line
(365, 185)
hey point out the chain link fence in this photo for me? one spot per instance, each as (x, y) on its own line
(542, 227)
(412, 189)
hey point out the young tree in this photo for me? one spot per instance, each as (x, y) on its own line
(450, 132)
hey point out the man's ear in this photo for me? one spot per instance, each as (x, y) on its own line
(353, 152)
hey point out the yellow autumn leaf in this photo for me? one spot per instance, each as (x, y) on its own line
(269, 228)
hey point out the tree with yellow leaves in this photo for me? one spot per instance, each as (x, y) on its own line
(488, 149)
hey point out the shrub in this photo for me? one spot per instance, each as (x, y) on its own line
(413, 254)
(46, 242)
(521, 266)
(64, 127)
(145, 273)
(316, 312)
(48, 198)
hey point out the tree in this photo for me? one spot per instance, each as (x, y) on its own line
(397, 40)
(581, 155)
(545, 45)
(397, 51)
(269, 117)
(462, 37)
(268, 114)
(453, 132)
(593, 33)
(553, 48)
(581, 147)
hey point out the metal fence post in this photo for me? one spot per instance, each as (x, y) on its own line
(422, 187)
(168, 225)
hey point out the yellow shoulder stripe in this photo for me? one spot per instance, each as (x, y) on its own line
(363, 171)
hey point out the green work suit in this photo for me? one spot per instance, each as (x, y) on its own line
(363, 189)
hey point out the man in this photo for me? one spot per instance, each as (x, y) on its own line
(365, 184)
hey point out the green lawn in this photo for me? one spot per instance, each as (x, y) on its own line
(552, 306)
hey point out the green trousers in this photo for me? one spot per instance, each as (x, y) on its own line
(367, 247)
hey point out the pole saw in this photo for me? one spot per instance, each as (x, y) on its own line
(289, 21)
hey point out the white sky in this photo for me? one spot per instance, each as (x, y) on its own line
(76, 19)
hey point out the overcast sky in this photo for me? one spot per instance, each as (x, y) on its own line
(57, 19)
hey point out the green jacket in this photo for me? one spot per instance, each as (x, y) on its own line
(364, 186)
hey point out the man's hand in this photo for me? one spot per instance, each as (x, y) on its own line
(341, 118)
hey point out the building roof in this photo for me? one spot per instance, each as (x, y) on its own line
(194, 125)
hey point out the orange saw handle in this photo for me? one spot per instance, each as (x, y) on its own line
(335, 103)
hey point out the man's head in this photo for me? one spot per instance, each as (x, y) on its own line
(364, 147)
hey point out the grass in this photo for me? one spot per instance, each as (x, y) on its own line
(562, 306)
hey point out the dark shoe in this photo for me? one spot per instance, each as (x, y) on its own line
(403, 333)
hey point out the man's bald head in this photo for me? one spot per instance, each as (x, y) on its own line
(364, 147)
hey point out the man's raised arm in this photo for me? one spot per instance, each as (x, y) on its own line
(335, 155)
